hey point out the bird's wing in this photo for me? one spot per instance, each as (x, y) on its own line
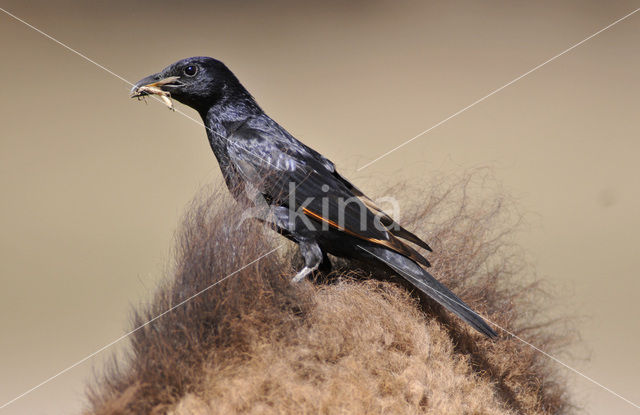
(290, 174)
(393, 226)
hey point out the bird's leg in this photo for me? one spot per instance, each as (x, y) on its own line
(303, 273)
(312, 255)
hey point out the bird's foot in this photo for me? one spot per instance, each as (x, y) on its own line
(303, 273)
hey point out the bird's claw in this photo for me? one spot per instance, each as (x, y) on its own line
(303, 273)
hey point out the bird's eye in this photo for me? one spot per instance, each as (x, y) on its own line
(190, 70)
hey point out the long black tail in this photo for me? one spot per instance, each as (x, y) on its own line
(426, 283)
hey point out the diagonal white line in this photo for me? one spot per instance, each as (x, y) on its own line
(65, 46)
(515, 336)
(495, 91)
(172, 308)
(124, 336)
(69, 48)
(268, 253)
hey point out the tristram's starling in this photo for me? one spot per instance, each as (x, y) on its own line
(308, 200)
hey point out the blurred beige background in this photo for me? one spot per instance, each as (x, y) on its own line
(93, 184)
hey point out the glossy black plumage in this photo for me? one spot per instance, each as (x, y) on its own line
(307, 199)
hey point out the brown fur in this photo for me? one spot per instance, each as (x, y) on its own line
(255, 343)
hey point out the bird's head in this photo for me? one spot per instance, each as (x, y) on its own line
(198, 82)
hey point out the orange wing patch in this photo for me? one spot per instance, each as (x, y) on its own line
(392, 243)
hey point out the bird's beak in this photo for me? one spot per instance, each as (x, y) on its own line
(154, 85)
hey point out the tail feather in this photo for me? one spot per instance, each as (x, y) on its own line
(426, 283)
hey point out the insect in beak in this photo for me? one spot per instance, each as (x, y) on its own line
(155, 88)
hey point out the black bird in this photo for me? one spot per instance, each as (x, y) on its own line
(308, 200)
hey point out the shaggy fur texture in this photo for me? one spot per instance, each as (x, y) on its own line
(254, 343)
